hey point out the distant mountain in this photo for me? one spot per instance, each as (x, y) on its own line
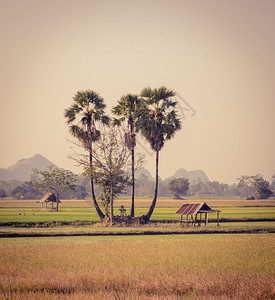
(142, 171)
(23, 169)
(193, 175)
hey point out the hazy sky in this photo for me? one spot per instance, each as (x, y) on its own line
(219, 56)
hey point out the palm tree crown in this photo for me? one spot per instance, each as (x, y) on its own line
(158, 119)
(87, 109)
(126, 110)
(127, 105)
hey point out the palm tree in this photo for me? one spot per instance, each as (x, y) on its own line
(88, 109)
(126, 110)
(157, 122)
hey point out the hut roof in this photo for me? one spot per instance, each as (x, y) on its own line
(194, 208)
(49, 197)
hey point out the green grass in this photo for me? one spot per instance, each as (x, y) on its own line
(37, 215)
(71, 214)
(226, 212)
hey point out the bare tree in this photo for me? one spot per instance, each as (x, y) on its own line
(111, 156)
(110, 169)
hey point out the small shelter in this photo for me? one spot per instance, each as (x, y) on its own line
(195, 211)
(49, 197)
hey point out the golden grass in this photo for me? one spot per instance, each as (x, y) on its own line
(170, 267)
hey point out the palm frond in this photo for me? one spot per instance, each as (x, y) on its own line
(71, 113)
(147, 92)
(105, 120)
(164, 93)
(117, 121)
(78, 132)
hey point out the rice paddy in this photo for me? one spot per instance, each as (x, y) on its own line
(71, 211)
(159, 267)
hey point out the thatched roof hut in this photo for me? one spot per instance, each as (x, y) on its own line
(49, 197)
(193, 210)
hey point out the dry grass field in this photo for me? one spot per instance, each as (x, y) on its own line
(144, 267)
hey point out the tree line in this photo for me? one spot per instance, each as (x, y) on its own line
(144, 188)
(180, 187)
(27, 191)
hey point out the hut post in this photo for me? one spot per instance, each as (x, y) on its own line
(218, 218)
(205, 221)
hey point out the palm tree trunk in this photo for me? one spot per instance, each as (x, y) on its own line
(98, 210)
(132, 214)
(153, 204)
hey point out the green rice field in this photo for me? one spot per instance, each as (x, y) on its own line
(71, 211)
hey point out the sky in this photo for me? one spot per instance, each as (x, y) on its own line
(219, 57)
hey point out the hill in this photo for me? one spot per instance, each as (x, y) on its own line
(143, 172)
(23, 169)
(193, 175)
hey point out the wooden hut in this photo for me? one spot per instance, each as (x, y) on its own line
(196, 211)
(49, 197)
